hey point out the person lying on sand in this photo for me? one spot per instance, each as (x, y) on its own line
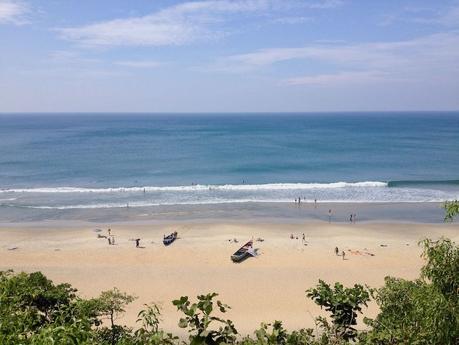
(358, 252)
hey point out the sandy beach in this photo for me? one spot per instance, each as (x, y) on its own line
(265, 288)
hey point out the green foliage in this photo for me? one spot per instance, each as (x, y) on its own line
(271, 334)
(109, 306)
(411, 312)
(150, 333)
(199, 321)
(451, 210)
(275, 334)
(442, 267)
(149, 318)
(343, 304)
(421, 311)
(33, 308)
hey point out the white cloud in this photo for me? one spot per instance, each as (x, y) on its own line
(338, 78)
(450, 17)
(325, 4)
(180, 24)
(139, 63)
(67, 57)
(421, 59)
(293, 20)
(13, 11)
(443, 16)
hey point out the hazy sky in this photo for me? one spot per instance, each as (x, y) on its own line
(228, 56)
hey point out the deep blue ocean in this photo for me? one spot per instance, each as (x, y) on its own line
(67, 161)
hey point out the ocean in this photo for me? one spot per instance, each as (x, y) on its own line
(105, 161)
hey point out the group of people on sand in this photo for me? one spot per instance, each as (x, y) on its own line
(111, 239)
(363, 252)
(343, 254)
(298, 201)
(303, 240)
(352, 218)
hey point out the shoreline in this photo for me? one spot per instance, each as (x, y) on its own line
(419, 212)
(261, 289)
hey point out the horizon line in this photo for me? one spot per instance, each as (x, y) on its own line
(217, 112)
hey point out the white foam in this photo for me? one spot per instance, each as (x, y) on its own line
(147, 204)
(240, 187)
(235, 201)
(337, 192)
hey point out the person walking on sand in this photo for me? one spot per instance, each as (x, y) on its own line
(137, 242)
(304, 238)
(336, 251)
(109, 240)
(350, 219)
(329, 215)
(343, 254)
(299, 200)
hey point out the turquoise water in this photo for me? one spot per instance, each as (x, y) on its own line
(114, 160)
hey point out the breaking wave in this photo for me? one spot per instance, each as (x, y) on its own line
(65, 198)
(199, 187)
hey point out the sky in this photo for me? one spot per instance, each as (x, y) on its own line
(228, 55)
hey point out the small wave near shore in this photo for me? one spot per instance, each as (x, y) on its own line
(62, 198)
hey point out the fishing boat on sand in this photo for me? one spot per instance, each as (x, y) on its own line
(170, 238)
(242, 253)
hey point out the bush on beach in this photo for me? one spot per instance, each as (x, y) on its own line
(33, 310)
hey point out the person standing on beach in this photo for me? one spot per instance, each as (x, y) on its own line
(109, 240)
(315, 203)
(350, 219)
(137, 242)
(354, 218)
(109, 231)
(343, 254)
(336, 251)
(304, 238)
(299, 200)
(329, 215)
